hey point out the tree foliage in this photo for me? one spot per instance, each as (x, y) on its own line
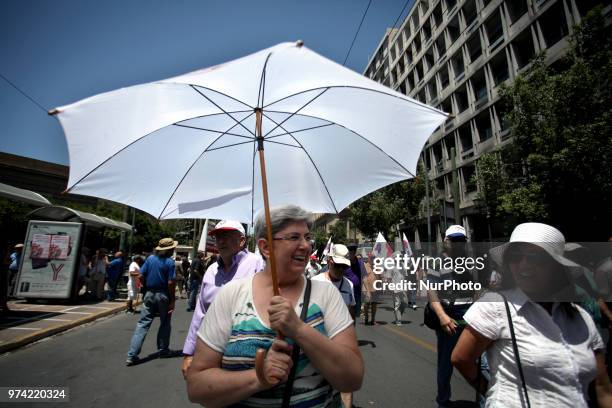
(381, 210)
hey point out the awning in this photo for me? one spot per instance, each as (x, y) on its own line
(59, 213)
(25, 196)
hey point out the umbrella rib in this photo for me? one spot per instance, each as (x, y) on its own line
(253, 185)
(284, 144)
(300, 130)
(213, 131)
(361, 88)
(223, 110)
(311, 161)
(292, 114)
(226, 146)
(193, 164)
(221, 93)
(357, 134)
(262, 82)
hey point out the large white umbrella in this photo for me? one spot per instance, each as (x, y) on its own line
(186, 147)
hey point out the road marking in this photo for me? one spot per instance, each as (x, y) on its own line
(22, 328)
(58, 320)
(96, 307)
(412, 338)
(83, 313)
(70, 308)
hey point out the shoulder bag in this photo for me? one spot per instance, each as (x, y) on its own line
(516, 351)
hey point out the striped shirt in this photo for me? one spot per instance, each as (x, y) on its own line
(233, 328)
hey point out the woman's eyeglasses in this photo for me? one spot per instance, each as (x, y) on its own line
(294, 238)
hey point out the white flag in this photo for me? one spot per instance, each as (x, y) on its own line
(382, 249)
(203, 237)
(406, 245)
(327, 247)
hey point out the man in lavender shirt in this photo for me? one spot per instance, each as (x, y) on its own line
(235, 262)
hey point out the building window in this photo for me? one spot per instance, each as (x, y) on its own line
(494, 30)
(426, 32)
(479, 86)
(417, 44)
(421, 96)
(516, 9)
(440, 46)
(419, 71)
(449, 142)
(450, 6)
(453, 29)
(458, 65)
(436, 15)
(432, 89)
(474, 47)
(444, 79)
(461, 99)
(523, 48)
(499, 68)
(468, 178)
(437, 152)
(483, 125)
(465, 137)
(553, 24)
(428, 57)
(470, 14)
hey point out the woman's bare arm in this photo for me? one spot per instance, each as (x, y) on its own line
(210, 385)
(603, 387)
(470, 346)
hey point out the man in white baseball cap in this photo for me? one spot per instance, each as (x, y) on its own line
(235, 262)
(449, 306)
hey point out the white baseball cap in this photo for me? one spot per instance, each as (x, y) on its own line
(339, 253)
(228, 225)
(455, 231)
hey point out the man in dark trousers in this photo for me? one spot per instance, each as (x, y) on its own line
(158, 276)
(195, 280)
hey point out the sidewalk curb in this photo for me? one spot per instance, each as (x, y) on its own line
(25, 340)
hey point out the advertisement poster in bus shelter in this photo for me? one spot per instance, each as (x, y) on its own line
(49, 259)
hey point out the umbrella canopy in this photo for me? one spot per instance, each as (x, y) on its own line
(185, 147)
(19, 194)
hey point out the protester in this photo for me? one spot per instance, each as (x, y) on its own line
(223, 371)
(313, 268)
(542, 349)
(98, 272)
(83, 270)
(158, 277)
(133, 283)
(354, 274)
(338, 262)
(15, 259)
(180, 275)
(369, 293)
(195, 279)
(234, 262)
(449, 306)
(114, 272)
(400, 297)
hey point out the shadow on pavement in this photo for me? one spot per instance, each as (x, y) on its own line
(366, 343)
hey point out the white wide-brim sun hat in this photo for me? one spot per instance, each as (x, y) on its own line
(543, 236)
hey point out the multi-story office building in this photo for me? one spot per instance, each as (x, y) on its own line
(454, 55)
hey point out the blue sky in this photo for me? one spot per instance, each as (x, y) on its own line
(59, 52)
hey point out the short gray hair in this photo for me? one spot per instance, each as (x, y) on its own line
(280, 217)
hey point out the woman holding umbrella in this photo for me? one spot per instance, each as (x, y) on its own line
(319, 356)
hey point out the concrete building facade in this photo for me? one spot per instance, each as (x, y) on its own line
(454, 55)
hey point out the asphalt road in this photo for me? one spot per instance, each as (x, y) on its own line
(400, 365)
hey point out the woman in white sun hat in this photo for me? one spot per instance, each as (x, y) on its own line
(543, 349)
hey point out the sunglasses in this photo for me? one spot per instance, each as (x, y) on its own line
(534, 258)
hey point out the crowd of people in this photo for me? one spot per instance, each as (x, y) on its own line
(532, 337)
